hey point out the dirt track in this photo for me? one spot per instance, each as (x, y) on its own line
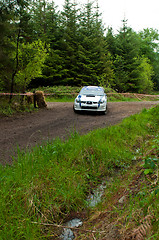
(58, 120)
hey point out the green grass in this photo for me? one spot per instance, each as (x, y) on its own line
(8, 109)
(46, 184)
(59, 99)
(120, 98)
(140, 187)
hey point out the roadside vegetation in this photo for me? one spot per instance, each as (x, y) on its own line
(130, 205)
(65, 94)
(16, 106)
(46, 185)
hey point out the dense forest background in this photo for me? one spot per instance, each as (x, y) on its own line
(42, 46)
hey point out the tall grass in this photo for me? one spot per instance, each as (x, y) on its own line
(16, 106)
(45, 184)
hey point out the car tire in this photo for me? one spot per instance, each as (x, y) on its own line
(104, 112)
(75, 111)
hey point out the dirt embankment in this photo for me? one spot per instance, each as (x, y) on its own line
(59, 120)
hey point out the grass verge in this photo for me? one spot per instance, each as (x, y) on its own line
(130, 204)
(46, 184)
(16, 106)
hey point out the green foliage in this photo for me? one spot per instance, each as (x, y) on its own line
(6, 44)
(150, 50)
(80, 53)
(145, 76)
(131, 74)
(134, 195)
(150, 165)
(106, 79)
(135, 58)
(31, 60)
(7, 109)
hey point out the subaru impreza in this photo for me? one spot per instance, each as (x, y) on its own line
(91, 98)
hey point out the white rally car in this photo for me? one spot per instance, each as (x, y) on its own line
(91, 98)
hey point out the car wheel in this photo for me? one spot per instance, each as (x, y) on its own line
(75, 111)
(104, 112)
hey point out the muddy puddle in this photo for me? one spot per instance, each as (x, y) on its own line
(92, 200)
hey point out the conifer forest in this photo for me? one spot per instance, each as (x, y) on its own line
(41, 45)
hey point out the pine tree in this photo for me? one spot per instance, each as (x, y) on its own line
(6, 46)
(150, 49)
(127, 51)
(15, 21)
(47, 27)
(95, 59)
(70, 43)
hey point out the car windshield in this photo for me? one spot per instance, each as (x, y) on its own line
(92, 91)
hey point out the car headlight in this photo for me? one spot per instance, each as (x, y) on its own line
(78, 100)
(101, 101)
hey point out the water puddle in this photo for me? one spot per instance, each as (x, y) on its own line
(96, 195)
(93, 199)
(67, 233)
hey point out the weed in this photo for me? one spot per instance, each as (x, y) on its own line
(150, 165)
(8, 109)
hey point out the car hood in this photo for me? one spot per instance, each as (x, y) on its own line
(91, 98)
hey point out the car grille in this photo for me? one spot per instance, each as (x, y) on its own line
(89, 107)
(88, 102)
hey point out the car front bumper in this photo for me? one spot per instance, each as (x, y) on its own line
(90, 107)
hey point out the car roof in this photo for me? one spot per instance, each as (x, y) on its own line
(93, 88)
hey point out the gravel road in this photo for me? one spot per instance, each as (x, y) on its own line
(58, 120)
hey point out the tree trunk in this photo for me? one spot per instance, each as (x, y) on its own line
(16, 67)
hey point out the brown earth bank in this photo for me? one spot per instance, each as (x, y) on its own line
(58, 120)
